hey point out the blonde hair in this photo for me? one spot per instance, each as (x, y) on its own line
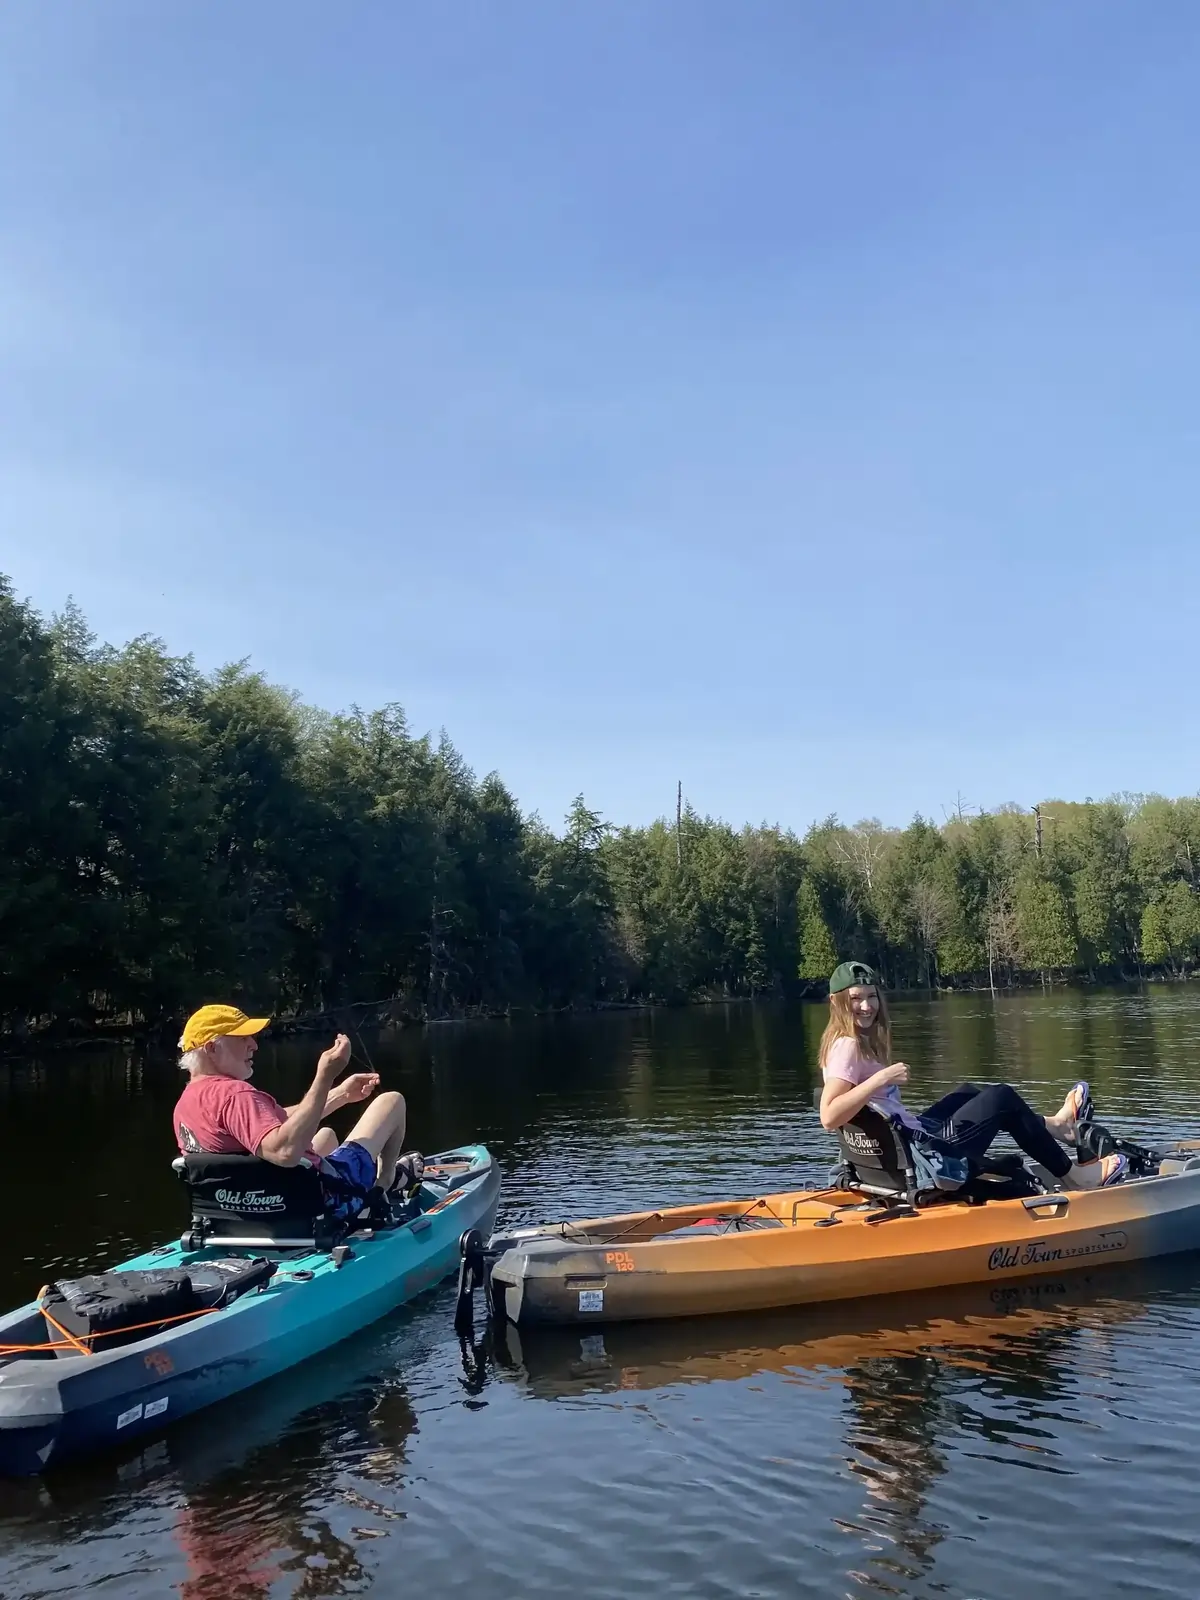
(875, 1042)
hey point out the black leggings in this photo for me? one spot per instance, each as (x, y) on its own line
(965, 1122)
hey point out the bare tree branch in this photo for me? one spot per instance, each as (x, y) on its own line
(861, 848)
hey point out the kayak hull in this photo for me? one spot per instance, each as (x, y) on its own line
(805, 1248)
(964, 1322)
(54, 1408)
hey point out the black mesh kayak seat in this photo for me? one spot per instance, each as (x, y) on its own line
(877, 1160)
(109, 1309)
(254, 1204)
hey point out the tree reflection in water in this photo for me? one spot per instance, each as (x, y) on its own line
(920, 1375)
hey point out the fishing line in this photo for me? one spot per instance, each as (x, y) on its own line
(365, 1059)
(366, 1053)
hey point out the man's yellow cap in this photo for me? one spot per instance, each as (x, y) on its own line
(214, 1022)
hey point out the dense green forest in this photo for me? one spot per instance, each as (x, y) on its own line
(168, 836)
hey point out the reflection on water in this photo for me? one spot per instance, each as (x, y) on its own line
(258, 1490)
(266, 1517)
(897, 1447)
(913, 1376)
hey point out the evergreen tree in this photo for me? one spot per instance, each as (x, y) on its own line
(1046, 937)
(1171, 927)
(818, 957)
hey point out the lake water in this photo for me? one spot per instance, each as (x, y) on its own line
(1039, 1440)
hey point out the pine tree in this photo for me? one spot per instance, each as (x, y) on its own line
(818, 957)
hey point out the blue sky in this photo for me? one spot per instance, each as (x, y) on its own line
(800, 400)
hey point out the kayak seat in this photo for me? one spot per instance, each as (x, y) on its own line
(252, 1203)
(877, 1160)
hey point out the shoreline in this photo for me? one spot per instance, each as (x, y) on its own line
(372, 1019)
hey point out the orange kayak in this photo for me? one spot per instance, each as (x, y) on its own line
(806, 1247)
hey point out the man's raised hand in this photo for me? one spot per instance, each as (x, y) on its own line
(335, 1058)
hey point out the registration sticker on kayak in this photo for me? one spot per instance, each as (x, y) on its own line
(134, 1414)
(591, 1299)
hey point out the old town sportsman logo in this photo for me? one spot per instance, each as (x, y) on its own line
(1037, 1253)
(256, 1200)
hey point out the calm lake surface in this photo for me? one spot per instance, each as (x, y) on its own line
(1042, 1441)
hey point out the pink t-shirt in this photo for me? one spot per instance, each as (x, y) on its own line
(846, 1061)
(226, 1116)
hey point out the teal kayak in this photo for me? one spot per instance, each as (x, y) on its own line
(62, 1397)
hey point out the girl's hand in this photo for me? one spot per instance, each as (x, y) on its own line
(897, 1073)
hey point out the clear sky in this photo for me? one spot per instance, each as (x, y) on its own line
(798, 399)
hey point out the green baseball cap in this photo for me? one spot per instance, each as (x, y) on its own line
(851, 973)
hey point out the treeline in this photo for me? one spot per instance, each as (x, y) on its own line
(167, 836)
(1106, 890)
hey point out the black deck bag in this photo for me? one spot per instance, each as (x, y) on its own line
(217, 1283)
(110, 1309)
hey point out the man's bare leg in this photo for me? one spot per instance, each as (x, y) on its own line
(380, 1130)
(325, 1141)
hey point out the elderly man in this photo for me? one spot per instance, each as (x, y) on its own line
(221, 1114)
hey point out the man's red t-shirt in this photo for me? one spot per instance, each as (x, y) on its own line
(226, 1116)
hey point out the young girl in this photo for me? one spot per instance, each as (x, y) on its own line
(857, 1066)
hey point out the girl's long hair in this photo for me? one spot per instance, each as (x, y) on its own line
(876, 1042)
